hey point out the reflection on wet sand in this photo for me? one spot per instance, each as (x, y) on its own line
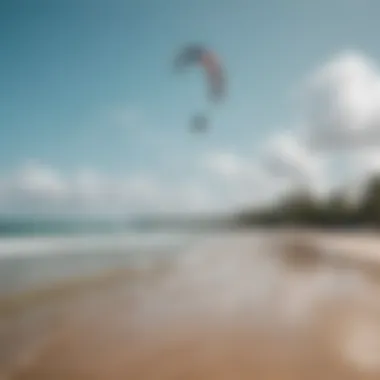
(237, 308)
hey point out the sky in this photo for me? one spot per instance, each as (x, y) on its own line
(93, 119)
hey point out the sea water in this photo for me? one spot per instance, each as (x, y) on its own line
(37, 255)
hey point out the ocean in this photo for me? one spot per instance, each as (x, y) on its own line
(35, 254)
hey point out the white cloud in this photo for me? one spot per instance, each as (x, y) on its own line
(87, 186)
(284, 155)
(339, 141)
(370, 161)
(37, 187)
(242, 181)
(227, 164)
(145, 193)
(364, 164)
(37, 181)
(341, 103)
(287, 158)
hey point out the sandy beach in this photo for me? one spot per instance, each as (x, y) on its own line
(239, 306)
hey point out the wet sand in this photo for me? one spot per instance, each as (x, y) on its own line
(240, 306)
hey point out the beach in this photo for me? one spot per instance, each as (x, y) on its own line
(242, 305)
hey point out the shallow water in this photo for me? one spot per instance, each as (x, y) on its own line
(35, 262)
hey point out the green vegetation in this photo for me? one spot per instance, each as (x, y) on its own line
(301, 208)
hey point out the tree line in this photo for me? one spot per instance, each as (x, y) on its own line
(302, 208)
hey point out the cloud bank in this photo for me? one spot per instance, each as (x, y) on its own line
(339, 140)
(341, 103)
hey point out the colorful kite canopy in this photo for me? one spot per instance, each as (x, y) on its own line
(192, 55)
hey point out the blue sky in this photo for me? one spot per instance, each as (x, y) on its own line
(89, 83)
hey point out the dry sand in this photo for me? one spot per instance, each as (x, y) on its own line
(242, 306)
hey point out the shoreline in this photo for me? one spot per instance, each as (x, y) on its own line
(173, 319)
(347, 248)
